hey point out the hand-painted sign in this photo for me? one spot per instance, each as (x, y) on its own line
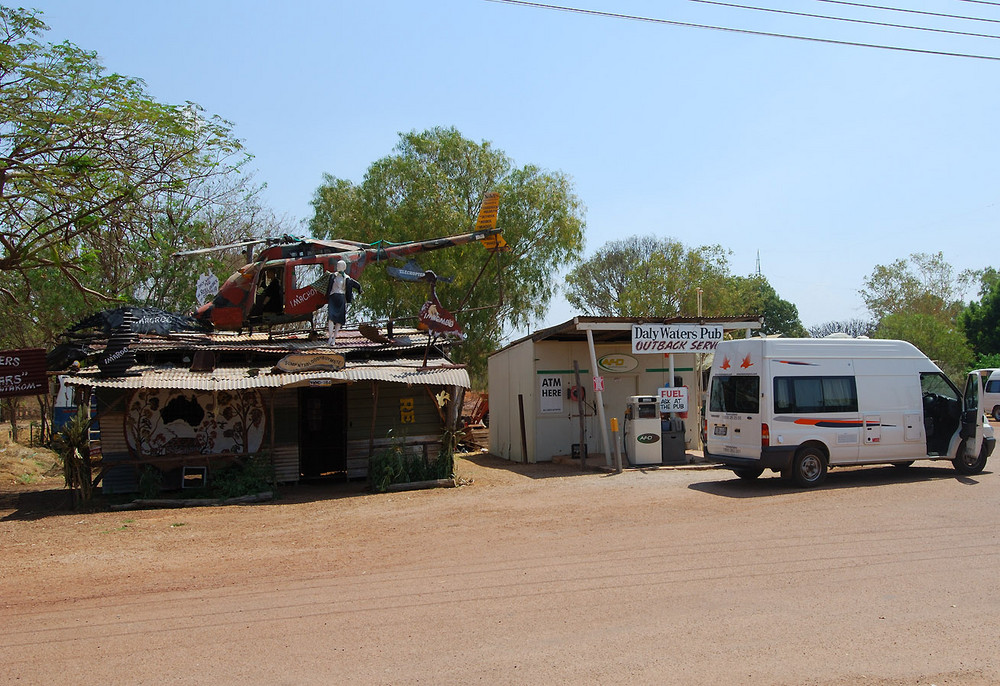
(22, 372)
(308, 362)
(675, 338)
(207, 287)
(437, 319)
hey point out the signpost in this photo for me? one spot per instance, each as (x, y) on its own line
(22, 372)
(674, 399)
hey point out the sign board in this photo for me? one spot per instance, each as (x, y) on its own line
(22, 372)
(306, 362)
(675, 338)
(617, 363)
(208, 285)
(598, 384)
(550, 394)
(674, 399)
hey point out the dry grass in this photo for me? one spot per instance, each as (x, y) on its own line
(21, 465)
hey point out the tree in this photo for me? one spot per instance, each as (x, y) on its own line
(919, 300)
(780, 316)
(943, 343)
(981, 320)
(645, 276)
(923, 284)
(432, 186)
(851, 327)
(87, 157)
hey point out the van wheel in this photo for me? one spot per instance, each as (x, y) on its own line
(996, 413)
(969, 464)
(808, 467)
(748, 473)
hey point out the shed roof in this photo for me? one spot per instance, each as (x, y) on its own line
(437, 373)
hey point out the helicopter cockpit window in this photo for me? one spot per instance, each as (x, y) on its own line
(310, 275)
(268, 298)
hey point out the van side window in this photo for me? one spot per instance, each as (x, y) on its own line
(815, 394)
(993, 386)
(735, 394)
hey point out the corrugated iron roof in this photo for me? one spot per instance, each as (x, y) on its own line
(347, 341)
(437, 373)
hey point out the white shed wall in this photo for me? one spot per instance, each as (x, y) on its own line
(519, 370)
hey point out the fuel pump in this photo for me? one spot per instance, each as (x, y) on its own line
(642, 430)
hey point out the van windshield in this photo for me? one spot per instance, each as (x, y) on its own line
(735, 394)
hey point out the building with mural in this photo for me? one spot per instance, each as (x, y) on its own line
(189, 403)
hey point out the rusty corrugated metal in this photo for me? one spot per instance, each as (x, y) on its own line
(348, 341)
(437, 373)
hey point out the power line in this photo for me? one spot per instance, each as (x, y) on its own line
(769, 34)
(912, 11)
(844, 19)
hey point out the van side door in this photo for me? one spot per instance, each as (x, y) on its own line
(972, 414)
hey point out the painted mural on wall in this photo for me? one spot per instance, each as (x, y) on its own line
(163, 421)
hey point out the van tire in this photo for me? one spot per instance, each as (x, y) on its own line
(967, 465)
(808, 467)
(996, 413)
(748, 473)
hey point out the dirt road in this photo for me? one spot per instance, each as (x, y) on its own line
(531, 575)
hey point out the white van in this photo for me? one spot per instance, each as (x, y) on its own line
(799, 406)
(991, 395)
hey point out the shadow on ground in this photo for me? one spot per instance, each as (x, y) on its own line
(770, 484)
(31, 503)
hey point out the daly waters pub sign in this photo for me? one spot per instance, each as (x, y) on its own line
(675, 338)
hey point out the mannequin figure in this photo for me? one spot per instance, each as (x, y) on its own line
(339, 292)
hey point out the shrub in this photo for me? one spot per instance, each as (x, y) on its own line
(255, 475)
(398, 465)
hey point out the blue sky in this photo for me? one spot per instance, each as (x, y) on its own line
(825, 160)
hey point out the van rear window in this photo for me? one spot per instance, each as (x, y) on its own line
(815, 394)
(735, 394)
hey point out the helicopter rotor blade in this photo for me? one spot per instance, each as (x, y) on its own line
(217, 248)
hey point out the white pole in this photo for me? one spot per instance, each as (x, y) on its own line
(600, 399)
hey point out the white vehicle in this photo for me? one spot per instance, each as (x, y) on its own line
(800, 406)
(991, 396)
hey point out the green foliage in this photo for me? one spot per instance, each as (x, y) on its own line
(981, 320)
(150, 482)
(990, 361)
(432, 186)
(253, 476)
(397, 464)
(922, 284)
(646, 276)
(72, 444)
(943, 343)
(99, 183)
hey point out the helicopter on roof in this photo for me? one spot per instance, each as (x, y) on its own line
(286, 281)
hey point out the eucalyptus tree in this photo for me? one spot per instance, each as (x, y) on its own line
(86, 157)
(432, 185)
(648, 276)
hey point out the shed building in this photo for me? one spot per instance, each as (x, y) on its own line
(535, 382)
